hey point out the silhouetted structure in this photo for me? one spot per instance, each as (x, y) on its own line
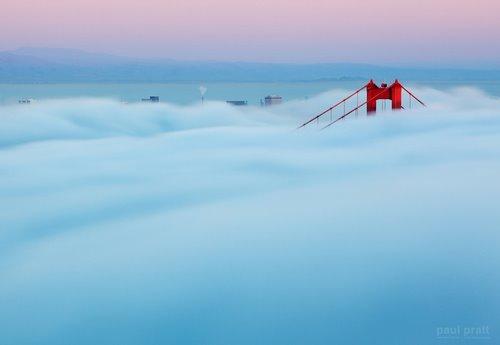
(237, 103)
(273, 100)
(151, 99)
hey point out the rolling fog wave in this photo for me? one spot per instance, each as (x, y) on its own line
(148, 224)
(77, 119)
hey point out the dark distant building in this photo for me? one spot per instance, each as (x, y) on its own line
(237, 103)
(151, 99)
(273, 100)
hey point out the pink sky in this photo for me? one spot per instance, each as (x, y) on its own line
(405, 32)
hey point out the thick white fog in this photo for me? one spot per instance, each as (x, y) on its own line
(161, 224)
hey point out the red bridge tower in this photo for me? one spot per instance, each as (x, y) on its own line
(374, 93)
(393, 92)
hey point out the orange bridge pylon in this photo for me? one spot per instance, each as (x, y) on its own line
(393, 92)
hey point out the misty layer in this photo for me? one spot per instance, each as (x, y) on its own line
(147, 224)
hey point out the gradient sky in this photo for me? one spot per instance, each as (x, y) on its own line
(385, 31)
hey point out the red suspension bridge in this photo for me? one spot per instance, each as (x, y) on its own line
(393, 92)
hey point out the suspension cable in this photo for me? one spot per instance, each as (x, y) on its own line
(333, 106)
(353, 110)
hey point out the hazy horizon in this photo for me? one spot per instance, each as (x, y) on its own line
(382, 32)
(492, 64)
(51, 65)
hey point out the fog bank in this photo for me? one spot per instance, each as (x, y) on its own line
(148, 224)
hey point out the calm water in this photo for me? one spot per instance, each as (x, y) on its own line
(185, 93)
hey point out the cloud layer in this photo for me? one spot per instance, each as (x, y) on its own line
(147, 224)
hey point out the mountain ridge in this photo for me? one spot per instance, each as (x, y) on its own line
(52, 65)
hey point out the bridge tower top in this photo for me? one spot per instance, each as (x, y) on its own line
(374, 93)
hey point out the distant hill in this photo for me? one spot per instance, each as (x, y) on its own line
(47, 65)
(72, 57)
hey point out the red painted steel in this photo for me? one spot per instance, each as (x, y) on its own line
(373, 94)
(392, 93)
(374, 97)
(332, 107)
